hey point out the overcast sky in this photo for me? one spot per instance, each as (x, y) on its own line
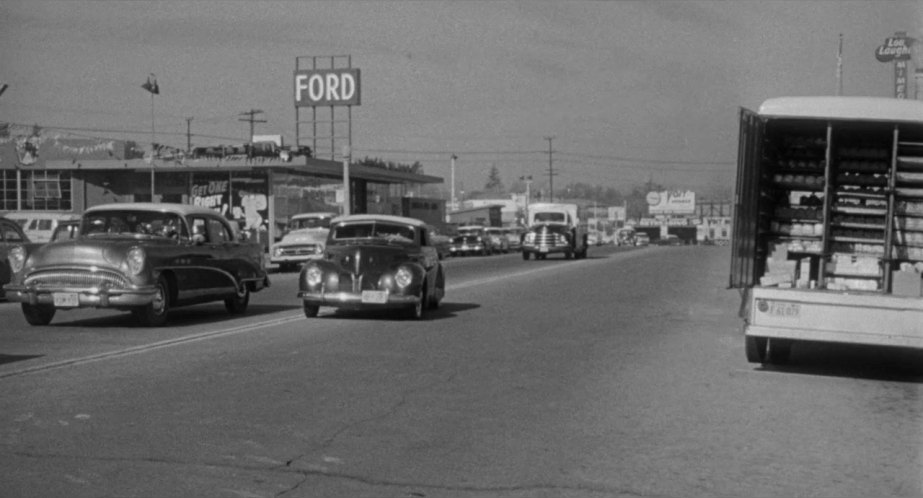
(629, 91)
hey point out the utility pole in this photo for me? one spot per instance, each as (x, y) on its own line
(252, 119)
(839, 67)
(188, 136)
(550, 171)
(453, 206)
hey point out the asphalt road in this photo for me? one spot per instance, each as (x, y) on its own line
(619, 375)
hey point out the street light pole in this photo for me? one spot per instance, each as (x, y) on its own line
(153, 149)
(453, 207)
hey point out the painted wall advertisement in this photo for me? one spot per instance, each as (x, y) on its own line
(671, 202)
(241, 197)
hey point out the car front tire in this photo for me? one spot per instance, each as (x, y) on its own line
(38, 314)
(155, 313)
(311, 310)
(237, 305)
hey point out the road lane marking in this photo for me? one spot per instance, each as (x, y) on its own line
(119, 353)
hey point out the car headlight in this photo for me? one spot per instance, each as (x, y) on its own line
(313, 276)
(17, 257)
(319, 249)
(276, 251)
(403, 277)
(135, 259)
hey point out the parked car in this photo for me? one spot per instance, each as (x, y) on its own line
(11, 235)
(514, 237)
(441, 242)
(642, 239)
(468, 245)
(498, 239)
(39, 225)
(146, 258)
(374, 262)
(304, 239)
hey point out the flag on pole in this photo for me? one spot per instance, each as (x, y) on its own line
(151, 85)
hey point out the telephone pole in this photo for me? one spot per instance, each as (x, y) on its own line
(550, 171)
(252, 119)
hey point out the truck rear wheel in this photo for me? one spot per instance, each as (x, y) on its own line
(755, 348)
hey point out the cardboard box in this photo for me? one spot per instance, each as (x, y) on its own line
(907, 283)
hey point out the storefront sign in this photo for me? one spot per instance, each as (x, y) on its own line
(327, 87)
(242, 197)
(895, 48)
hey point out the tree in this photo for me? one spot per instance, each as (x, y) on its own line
(494, 183)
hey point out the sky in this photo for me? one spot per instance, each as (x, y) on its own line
(622, 92)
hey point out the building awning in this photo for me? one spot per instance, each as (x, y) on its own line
(297, 165)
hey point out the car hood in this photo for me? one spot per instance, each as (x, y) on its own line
(102, 253)
(305, 235)
(357, 259)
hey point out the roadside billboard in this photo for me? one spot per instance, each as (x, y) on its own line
(671, 202)
(327, 87)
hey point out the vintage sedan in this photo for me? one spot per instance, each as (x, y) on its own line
(374, 262)
(144, 257)
(303, 240)
(467, 245)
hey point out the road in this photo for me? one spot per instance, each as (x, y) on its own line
(620, 375)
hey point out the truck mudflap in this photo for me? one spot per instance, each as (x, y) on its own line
(785, 315)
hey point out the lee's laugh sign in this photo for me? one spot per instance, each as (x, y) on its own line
(327, 87)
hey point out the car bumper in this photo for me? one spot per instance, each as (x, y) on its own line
(357, 300)
(68, 297)
(293, 259)
(546, 249)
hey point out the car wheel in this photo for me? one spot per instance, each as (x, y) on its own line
(311, 310)
(237, 305)
(417, 311)
(155, 313)
(755, 349)
(779, 351)
(38, 314)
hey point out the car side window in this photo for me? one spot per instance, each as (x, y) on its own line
(199, 228)
(218, 232)
(10, 235)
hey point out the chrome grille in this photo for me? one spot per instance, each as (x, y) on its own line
(298, 250)
(544, 238)
(77, 279)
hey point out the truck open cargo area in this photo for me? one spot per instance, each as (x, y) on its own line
(828, 223)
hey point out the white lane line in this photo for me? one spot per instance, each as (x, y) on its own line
(152, 346)
(244, 328)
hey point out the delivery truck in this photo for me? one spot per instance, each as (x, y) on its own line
(827, 241)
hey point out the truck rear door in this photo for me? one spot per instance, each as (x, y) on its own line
(746, 201)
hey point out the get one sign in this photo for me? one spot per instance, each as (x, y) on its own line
(323, 87)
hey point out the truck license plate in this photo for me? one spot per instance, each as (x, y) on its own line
(374, 297)
(65, 299)
(785, 309)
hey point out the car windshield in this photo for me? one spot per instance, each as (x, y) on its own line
(550, 218)
(465, 239)
(127, 222)
(390, 232)
(318, 222)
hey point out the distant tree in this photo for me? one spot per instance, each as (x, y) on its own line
(376, 162)
(494, 184)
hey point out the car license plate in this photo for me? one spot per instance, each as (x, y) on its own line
(785, 309)
(65, 299)
(542, 249)
(374, 297)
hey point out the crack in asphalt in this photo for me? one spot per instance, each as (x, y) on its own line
(308, 473)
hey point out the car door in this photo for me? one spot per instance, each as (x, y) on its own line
(201, 272)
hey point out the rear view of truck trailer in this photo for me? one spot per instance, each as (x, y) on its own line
(828, 224)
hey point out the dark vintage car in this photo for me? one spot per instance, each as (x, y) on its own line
(374, 262)
(11, 235)
(467, 245)
(146, 258)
